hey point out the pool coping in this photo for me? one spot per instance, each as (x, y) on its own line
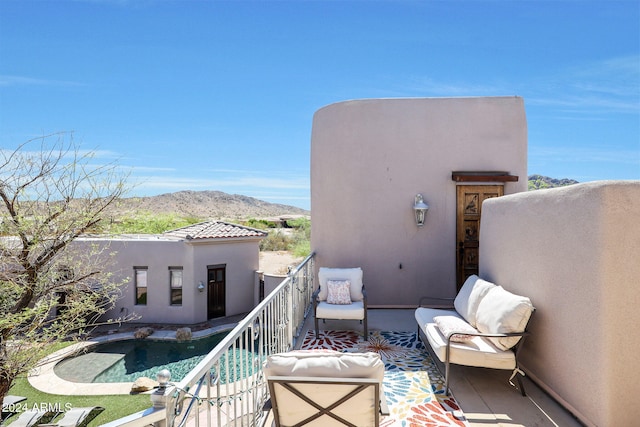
(45, 379)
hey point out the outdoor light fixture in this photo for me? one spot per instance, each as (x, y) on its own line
(200, 286)
(158, 398)
(420, 209)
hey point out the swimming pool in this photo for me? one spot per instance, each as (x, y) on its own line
(128, 360)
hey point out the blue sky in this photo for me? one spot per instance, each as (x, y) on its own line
(220, 95)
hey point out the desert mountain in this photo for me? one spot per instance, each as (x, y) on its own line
(206, 204)
(220, 205)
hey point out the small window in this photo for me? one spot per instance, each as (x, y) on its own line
(141, 285)
(175, 283)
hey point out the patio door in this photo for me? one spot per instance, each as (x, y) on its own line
(216, 291)
(469, 209)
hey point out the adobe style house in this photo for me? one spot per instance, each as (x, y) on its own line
(370, 158)
(185, 276)
(574, 251)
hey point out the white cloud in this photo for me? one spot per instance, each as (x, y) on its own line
(430, 87)
(7, 80)
(608, 86)
(585, 155)
(177, 182)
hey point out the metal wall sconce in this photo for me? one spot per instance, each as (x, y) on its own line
(420, 209)
(200, 286)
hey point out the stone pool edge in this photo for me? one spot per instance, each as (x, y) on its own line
(44, 378)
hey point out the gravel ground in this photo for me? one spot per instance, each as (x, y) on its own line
(276, 262)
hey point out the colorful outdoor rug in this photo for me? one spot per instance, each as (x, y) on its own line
(413, 387)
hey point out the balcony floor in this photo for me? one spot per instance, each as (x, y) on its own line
(484, 395)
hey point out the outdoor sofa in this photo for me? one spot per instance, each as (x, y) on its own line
(485, 327)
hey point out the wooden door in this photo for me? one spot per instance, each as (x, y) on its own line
(469, 209)
(216, 292)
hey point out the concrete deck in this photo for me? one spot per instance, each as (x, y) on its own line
(484, 395)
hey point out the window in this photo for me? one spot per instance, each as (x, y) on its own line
(141, 285)
(175, 283)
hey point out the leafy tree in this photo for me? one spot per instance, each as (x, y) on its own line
(51, 289)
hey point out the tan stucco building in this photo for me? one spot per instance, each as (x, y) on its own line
(574, 251)
(185, 276)
(369, 159)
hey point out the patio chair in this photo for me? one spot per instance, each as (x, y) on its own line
(33, 417)
(77, 417)
(340, 296)
(325, 388)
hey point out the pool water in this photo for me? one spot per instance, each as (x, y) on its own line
(128, 360)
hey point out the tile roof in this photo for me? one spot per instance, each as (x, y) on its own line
(215, 230)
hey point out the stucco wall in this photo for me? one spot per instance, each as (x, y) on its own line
(158, 256)
(575, 251)
(240, 258)
(369, 158)
(271, 282)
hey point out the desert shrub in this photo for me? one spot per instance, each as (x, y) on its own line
(302, 248)
(149, 223)
(301, 245)
(276, 241)
(261, 224)
(302, 224)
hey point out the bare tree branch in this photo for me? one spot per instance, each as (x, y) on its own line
(50, 196)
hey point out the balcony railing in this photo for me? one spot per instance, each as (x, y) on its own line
(227, 387)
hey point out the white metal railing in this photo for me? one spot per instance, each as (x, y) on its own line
(227, 387)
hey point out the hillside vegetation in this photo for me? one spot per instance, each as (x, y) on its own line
(157, 214)
(538, 182)
(289, 227)
(204, 204)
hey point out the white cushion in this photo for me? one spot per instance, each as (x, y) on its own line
(501, 312)
(476, 352)
(324, 363)
(354, 275)
(479, 352)
(353, 311)
(472, 292)
(426, 315)
(453, 326)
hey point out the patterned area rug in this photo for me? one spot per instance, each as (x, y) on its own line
(413, 386)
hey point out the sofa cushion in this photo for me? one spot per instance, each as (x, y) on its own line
(354, 275)
(501, 312)
(353, 311)
(339, 292)
(450, 324)
(325, 363)
(472, 292)
(425, 315)
(479, 352)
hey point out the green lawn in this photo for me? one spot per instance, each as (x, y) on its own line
(116, 406)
